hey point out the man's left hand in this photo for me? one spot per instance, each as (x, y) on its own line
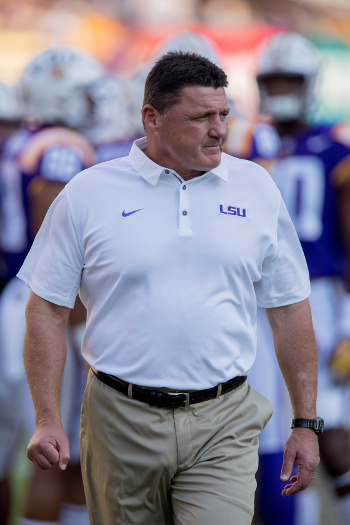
(301, 449)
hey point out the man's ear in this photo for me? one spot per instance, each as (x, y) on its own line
(150, 117)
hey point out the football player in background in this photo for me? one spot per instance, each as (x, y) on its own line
(312, 172)
(39, 159)
(10, 119)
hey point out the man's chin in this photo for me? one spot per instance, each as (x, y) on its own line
(212, 159)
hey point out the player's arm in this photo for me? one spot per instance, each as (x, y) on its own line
(44, 359)
(296, 352)
(66, 153)
(41, 194)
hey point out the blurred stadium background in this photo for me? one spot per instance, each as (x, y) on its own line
(123, 34)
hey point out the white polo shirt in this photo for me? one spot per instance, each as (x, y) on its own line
(170, 271)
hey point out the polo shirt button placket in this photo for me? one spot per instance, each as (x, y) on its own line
(184, 215)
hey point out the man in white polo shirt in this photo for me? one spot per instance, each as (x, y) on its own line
(171, 249)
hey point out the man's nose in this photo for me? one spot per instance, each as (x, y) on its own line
(219, 128)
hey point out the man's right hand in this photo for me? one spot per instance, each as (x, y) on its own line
(49, 446)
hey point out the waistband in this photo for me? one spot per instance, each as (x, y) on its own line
(162, 399)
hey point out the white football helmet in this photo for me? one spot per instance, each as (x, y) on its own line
(9, 103)
(111, 111)
(288, 55)
(188, 41)
(54, 86)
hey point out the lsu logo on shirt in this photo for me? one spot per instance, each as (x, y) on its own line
(233, 210)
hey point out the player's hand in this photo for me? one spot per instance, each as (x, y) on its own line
(302, 450)
(49, 446)
(339, 363)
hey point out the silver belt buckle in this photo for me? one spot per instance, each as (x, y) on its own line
(186, 394)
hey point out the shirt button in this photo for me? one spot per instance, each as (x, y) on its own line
(184, 187)
(166, 171)
(184, 212)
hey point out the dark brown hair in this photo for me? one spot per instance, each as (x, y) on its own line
(176, 70)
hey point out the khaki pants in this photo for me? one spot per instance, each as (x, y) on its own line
(156, 466)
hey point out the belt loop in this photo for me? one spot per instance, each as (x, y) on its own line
(130, 385)
(218, 393)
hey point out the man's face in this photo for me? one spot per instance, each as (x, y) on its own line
(190, 135)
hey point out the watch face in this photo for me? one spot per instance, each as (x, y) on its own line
(320, 425)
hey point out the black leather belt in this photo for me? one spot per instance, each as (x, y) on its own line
(167, 399)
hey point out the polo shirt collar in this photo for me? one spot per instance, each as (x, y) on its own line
(151, 171)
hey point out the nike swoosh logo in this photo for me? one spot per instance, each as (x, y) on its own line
(125, 214)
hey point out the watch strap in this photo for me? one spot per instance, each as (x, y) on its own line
(313, 424)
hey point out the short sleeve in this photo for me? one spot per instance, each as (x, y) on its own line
(53, 267)
(285, 277)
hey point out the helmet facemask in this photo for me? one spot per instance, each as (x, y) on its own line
(284, 97)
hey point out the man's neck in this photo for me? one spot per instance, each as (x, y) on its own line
(185, 176)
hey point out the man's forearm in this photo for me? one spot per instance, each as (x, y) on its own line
(296, 352)
(44, 355)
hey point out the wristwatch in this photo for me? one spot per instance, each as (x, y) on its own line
(315, 424)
